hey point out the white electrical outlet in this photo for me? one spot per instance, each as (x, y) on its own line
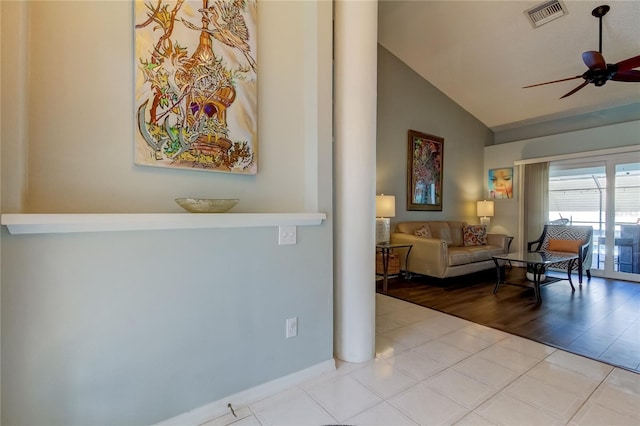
(287, 235)
(292, 327)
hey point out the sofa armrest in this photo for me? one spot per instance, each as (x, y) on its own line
(499, 240)
(429, 256)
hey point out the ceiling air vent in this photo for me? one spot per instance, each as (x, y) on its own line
(546, 12)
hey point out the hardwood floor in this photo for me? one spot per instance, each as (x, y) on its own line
(601, 320)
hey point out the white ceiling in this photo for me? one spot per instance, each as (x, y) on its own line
(481, 54)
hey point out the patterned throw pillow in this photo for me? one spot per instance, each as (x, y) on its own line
(474, 235)
(424, 232)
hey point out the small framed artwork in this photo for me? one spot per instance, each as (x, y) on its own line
(501, 183)
(424, 171)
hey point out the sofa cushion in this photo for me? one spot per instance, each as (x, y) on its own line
(410, 227)
(478, 253)
(472, 254)
(424, 232)
(455, 228)
(493, 250)
(449, 231)
(441, 231)
(474, 235)
(459, 256)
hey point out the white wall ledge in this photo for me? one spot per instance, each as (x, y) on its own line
(34, 223)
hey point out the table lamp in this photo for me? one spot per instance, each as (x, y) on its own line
(485, 211)
(385, 208)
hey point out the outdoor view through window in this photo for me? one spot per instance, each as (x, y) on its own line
(578, 193)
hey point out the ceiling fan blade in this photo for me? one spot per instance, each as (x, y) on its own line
(575, 90)
(554, 81)
(629, 75)
(594, 60)
(629, 64)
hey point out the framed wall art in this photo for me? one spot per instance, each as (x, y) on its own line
(424, 171)
(501, 183)
(196, 85)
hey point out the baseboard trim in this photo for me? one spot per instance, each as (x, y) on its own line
(218, 408)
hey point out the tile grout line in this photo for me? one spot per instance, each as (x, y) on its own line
(319, 404)
(588, 398)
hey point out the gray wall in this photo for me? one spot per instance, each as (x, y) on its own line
(136, 327)
(574, 123)
(407, 101)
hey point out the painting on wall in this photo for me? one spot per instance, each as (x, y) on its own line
(501, 183)
(196, 85)
(424, 171)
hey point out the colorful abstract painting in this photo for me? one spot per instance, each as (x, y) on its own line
(196, 85)
(424, 171)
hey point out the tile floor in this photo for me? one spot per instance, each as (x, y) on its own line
(432, 368)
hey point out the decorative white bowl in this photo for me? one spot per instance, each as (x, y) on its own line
(206, 205)
(530, 276)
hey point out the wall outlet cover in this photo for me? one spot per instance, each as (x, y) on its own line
(292, 327)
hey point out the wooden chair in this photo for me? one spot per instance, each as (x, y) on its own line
(558, 238)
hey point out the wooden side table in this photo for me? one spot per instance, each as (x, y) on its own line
(385, 249)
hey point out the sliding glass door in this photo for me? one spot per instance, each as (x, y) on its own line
(625, 252)
(604, 194)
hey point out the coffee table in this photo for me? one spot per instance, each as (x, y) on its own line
(537, 262)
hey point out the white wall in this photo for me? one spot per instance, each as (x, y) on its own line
(407, 101)
(581, 142)
(137, 327)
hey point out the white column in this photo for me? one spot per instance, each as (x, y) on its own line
(355, 77)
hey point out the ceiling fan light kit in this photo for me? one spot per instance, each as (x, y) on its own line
(599, 72)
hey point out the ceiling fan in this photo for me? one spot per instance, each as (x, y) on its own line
(599, 71)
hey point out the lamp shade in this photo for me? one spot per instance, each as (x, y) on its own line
(385, 205)
(485, 208)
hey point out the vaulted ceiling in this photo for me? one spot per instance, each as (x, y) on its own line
(481, 54)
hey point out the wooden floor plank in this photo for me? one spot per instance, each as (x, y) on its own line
(599, 320)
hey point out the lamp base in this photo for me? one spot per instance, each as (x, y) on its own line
(485, 221)
(383, 230)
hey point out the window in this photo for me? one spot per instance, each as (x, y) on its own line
(578, 193)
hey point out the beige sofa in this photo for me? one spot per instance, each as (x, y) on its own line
(444, 254)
